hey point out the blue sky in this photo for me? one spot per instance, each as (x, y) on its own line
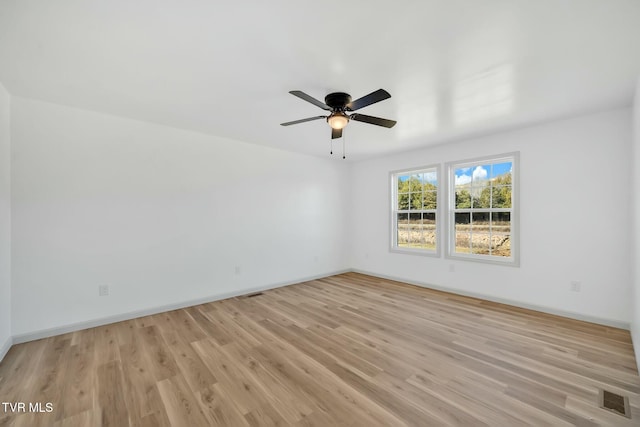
(430, 177)
(481, 172)
(466, 175)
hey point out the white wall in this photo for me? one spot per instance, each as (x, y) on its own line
(161, 215)
(164, 216)
(575, 214)
(5, 223)
(634, 191)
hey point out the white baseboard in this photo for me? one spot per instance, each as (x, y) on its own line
(45, 333)
(571, 315)
(635, 340)
(4, 348)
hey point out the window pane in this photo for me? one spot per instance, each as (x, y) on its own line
(415, 235)
(429, 200)
(480, 243)
(463, 196)
(415, 229)
(429, 220)
(480, 175)
(415, 183)
(403, 201)
(431, 180)
(501, 173)
(481, 197)
(416, 201)
(501, 245)
(463, 219)
(429, 230)
(463, 243)
(481, 186)
(415, 218)
(463, 232)
(402, 229)
(403, 184)
(462, 176)
(480, 222)
(429, 239)
(501, 196)
(501, 223)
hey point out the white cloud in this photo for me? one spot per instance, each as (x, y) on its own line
(479, 173)
(462, 179)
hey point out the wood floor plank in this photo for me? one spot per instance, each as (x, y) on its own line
(19, 378)
(157, 353)
(219, 409)
(349, 349)
(181, 320)
(107, 344)
(111, 395)
(140, 391)
(189, 364)
(209, 325)
(332, 394)
(90, 417)
(230, 376)
(490, 393)
(180, 403)
(287, 403)
(78, 381)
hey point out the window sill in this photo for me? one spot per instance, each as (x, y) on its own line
(508, 262)
(419, 252)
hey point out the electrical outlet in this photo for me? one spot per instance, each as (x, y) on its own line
(103, 290)
(238, 270)
(452, 268)
(576, 286)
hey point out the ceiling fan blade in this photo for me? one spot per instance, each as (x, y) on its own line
(372, 98)
(336, 133)
(310, 99)
(295, 122)
(373, 120)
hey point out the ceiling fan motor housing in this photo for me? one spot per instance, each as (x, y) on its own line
(338, 101)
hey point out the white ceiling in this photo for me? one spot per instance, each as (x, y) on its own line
(454, 68)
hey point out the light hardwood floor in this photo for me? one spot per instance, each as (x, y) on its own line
(346, 350)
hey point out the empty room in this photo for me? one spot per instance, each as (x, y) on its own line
(410, 213)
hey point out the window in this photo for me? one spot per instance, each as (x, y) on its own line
(414, 211)
(482, 215)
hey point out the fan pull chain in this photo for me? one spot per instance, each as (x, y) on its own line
(331, 145)
(343, 139)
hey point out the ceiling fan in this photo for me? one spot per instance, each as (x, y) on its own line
(339, 103)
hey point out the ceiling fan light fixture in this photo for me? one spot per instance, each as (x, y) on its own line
(338, 120)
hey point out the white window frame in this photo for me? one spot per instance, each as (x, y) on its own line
(450, 251)
(393, 178)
